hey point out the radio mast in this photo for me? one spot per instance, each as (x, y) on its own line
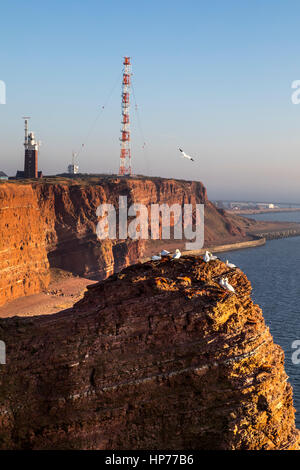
(125, 155)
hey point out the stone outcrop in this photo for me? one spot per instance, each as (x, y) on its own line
(275, 235)
(52, 222)
(158, 356)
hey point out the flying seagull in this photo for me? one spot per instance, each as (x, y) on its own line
(184, 155)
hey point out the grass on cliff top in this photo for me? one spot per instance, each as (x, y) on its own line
(84, 179)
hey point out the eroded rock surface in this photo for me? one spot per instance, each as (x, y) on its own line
(24, 266)
(158, 356)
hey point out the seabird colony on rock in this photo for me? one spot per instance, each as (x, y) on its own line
(208, 256)
(165, 253)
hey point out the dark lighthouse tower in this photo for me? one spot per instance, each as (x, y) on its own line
(31, 154)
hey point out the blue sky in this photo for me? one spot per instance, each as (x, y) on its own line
(213, 77)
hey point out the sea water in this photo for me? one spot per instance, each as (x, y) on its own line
(274, 272)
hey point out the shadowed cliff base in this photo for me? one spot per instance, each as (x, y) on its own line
(63, 291)
(158, 356)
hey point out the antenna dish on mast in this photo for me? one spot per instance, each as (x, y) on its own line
(26, 118)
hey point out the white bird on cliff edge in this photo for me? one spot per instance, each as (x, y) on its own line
(230, 265)
(156, 258)
(177, 254)
(184, 155)
(225, 284)
(209, 257)
(212, 257)
(164, 253)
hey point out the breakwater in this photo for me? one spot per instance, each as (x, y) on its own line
(275, 235)
(259, 241)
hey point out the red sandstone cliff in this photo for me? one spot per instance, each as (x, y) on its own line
(52, 222)
(24, 266)
(155, 357)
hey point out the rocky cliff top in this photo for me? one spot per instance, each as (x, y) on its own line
(52, 223)
(158, 356)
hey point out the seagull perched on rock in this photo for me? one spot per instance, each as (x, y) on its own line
(230, 265)
(184, 155)
(206, 257)
(225, 284)
(212, 257)
(164, 253)
(156, 258)
(177, 254)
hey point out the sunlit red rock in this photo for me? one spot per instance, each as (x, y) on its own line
(158, 356)
(52, 222)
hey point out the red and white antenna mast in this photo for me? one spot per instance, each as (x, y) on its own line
(125, 155)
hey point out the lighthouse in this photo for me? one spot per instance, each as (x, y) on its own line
(31, 154)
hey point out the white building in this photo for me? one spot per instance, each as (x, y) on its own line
(73, 169)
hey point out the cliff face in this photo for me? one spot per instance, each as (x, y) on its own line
(155, 357)
(24, 266)
(53, 222)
